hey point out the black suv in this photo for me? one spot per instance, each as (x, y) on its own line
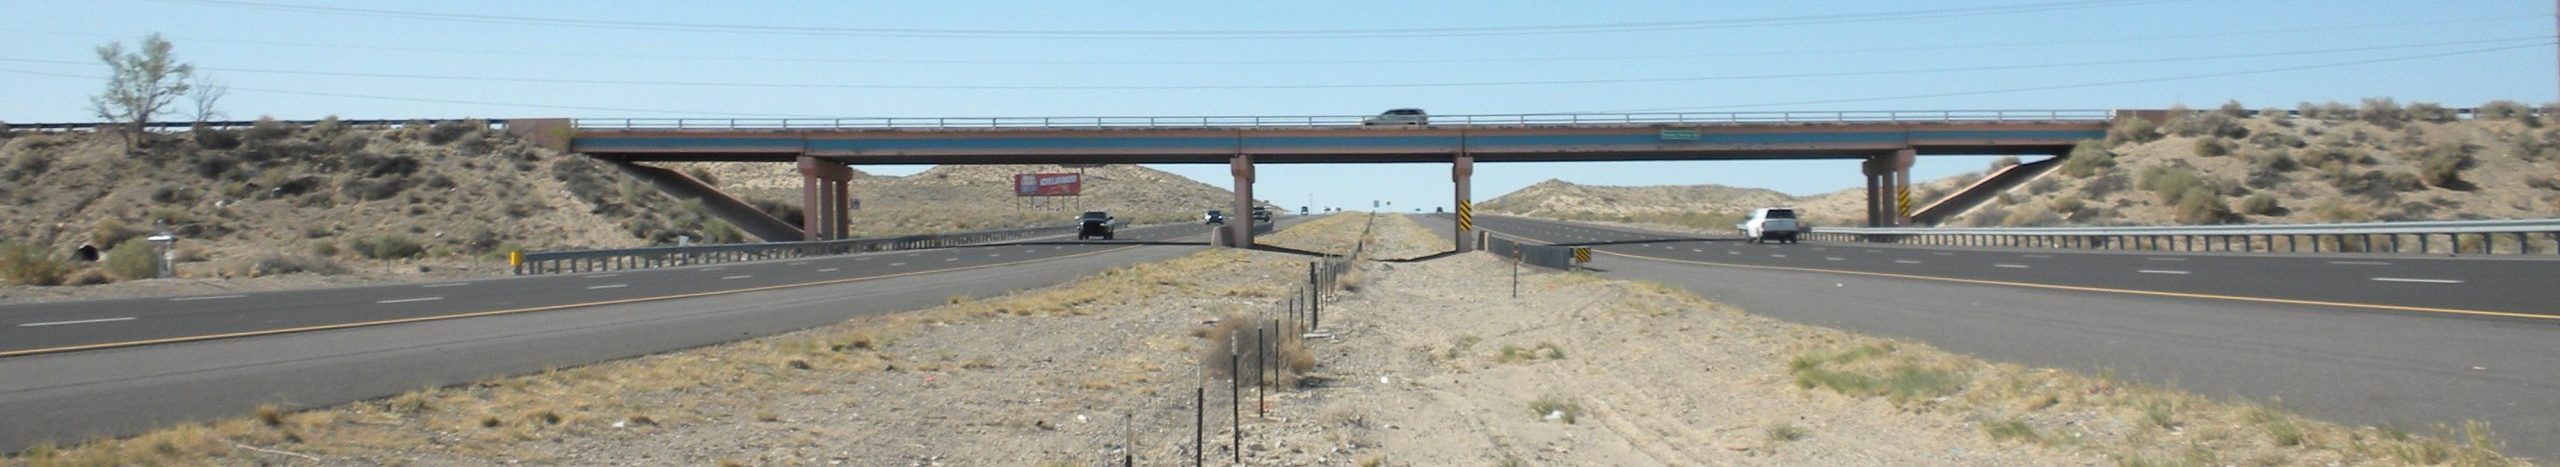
(1093, 224)
(1261, 214)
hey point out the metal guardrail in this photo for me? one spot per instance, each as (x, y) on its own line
(2485, 237)
(1532, 253)
(576, 261)
(1703, 118)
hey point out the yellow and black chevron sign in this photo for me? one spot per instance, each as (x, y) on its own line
(1581, 254)
(1903, 201)
(1466, 215)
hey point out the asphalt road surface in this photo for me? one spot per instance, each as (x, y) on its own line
(457, 332)
(2318, 331)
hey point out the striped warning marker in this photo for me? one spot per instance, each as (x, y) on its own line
(1466, 215)
(1581, 254)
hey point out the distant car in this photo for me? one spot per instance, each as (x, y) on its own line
(1215, 218)
(1094, 224)
(1261, 214)
(1407, 116)
(1770, 224)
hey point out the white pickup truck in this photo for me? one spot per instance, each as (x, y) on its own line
(1770, 224)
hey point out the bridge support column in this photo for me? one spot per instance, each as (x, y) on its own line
(824, 199)
(1240, 235)
(1902, 160)
(1461, 172)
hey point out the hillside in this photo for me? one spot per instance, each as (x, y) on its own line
(276, 198)
(1691, 205)
(2376, 162)
(2379, 161)
(968, 197)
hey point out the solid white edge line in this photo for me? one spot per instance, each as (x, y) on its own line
(2162, 271)
(897, 264)
(2417, 281)
(85, 321)
(830, 270)
(216, 297)
(601, 276)
(447, 284)
(2010, 266)
(608, 286)
(1907, 261)
(2360, 263)
(407, 300)
(736, 277)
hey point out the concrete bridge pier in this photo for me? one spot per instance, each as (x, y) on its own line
(1461, 170)
(1888, 184)
(824, 199)
(1240, 234)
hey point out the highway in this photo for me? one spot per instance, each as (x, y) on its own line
(2318, 331)
(226, 354)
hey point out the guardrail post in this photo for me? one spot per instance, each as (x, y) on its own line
(2456, 240)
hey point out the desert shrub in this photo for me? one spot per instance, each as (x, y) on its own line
(1290, 352)
(2068, 203)
(1986, 217)
(704, 175)
(475, 144)
(29, 164)
(209, 138)
(2132, 131)
(214, 165)
(2504, 110)
(2199, 205)
(439, 181)
(2270, 161)
(172, 194)
(2211, 146)
(446, 132)
(267, 130)
(2382, 112)
(389, 247)
(2044, 185)
(327, 127)
(347, 143)
(370, 189)
(787, 212)
(2106, 184)
(2442, 166)
(2272, 140)
(2173, 183)
(276, 263)
(28, 265)
(2430, 112)
(2543, 182)
(2194, 124)
(111, 231)
(2031, 218)
(2326, 155)
(481, 239)
(134, 259)
(324, 248)
(2328, 111)
(2372, 184)
(2087, 159)
(2004, 162)
(2261, 204)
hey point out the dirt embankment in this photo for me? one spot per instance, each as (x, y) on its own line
(1424, 364)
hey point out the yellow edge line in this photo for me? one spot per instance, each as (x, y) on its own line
(476, 314)
(2287, 301)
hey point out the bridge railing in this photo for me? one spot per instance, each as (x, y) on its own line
(2519, 236)
(164, 127)
(576, 261)
(1699, 118)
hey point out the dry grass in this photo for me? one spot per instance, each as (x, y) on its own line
(1232, 339)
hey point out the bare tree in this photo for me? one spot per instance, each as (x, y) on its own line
(143, 84)
(206, 95)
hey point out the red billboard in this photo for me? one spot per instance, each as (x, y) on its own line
(1048, 184)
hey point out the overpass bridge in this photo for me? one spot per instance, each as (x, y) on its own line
(1888, 142)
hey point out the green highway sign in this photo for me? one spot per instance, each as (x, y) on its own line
(1679, 134)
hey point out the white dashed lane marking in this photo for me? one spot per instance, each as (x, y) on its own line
(2417, 281)
(608, 286)
(2360, 263)
(1833, 258)
(408, 300)
(443, 285)
(601, 276)
(897, 264)
(736, 277)
(1907, 261)
(85, 321)
(216, 297)
(830, 270)
(2010, 266)
(2164, 259)
(2162, 271)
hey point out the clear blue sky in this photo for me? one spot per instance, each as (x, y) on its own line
(1868, 55)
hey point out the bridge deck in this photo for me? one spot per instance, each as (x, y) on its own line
(1345, 144)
